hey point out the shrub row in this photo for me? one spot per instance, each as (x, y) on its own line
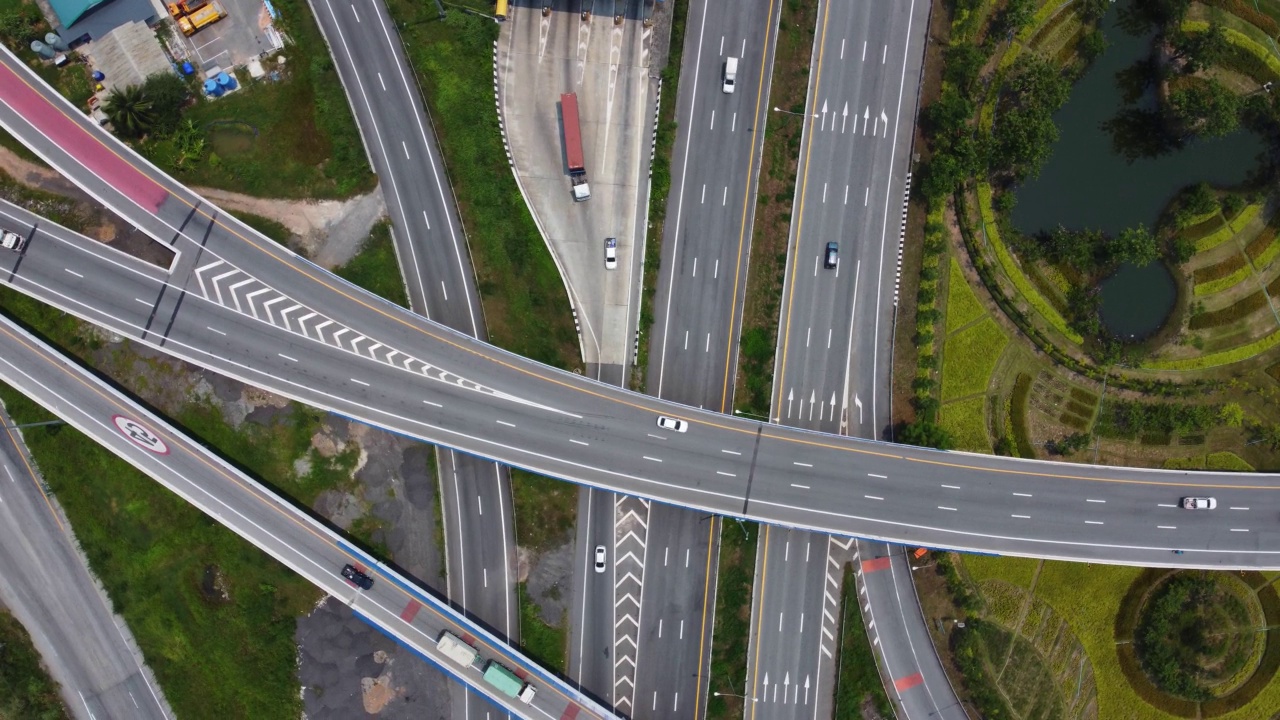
(1021, 436)
(1126, 418)
(1248, 11)
(1225, 357)
(1015, 274)
(1236, 311)
(1217, 271)
(971, 658)
(1247, 63)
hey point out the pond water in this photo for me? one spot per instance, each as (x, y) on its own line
(1137, 300)
(1086, 185)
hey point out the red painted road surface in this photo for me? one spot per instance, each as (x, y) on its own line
(66, 134)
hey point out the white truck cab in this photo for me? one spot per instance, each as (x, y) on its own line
(12, 241)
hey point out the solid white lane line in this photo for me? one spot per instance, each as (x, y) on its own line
(802, 487)
(433, 404)
(944, 507)
(1094, 501)
(951, 487)
(286, 357)
(73, 272)
(361, 382)
(802, 464)
(1093, 522)
(1023, 494)
(731, 452)
(504, 422)
(882, 477)
(578, 442)
(873, 497)
(646, 457)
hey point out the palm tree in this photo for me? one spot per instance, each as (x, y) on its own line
(129, 111)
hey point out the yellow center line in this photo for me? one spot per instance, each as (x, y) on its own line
(760, 123)
(804, 188)
(702, 637)
(764, 570)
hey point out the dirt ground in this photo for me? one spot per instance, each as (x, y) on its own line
(329, 232)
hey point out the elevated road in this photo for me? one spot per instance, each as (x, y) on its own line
(241, 305)
(394, 605)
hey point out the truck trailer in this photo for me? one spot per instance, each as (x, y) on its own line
(507, 682)
(453, 647)
(573, 147)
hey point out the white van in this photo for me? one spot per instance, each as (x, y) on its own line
(730, 74)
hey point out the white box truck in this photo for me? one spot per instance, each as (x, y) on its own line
(730, 74)
(452, 647)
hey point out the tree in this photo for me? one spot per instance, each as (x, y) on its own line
(129, 111)
(948, 116)
(1092, 10)
(168, 94)
(1231, 415)
(961, 64)
(1134, 245)
(924, 433)
(1015, 16)
(1138, 133)
(1199, 50)
(1200, 200)
(1092, 44)
(1139, 16)
(1206, 108)
(1070, 444)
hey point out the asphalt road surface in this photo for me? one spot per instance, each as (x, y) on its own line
(836, 338)
(394, 604)
(86, 648)
(297, 335)
(693, 347)
(436, 268)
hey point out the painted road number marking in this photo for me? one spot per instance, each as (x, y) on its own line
(140, 435)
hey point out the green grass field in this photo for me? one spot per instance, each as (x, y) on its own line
(965, 421)
(26, 690)
(215, 617)
(546, 510)
(969, 357)
(1088, 598)
(375, 267)
(963, 306)
(547, 644)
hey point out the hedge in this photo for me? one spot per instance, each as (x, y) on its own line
(1021, 436)
(1225, 357)
(1219, 461)
(1238, 276)
(1240, 40)
(1267, 668)
(1010, 267)
(1219, 270)
(1236, 311)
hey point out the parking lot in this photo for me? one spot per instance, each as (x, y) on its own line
(245, 33)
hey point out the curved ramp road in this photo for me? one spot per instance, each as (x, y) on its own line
(394, 604)
(243, 306)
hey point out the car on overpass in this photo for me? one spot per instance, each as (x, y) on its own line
(356, 577)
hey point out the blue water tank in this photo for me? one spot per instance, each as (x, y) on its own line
(187, 69)
(98, 76)
(226, 81)
(211, 87)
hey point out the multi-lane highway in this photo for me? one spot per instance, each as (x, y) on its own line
(49, 589)
(312, 337)
(698, 313)
(834, 346)
(436, 267)
(393, 604)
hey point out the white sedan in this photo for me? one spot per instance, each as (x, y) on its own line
(673, 424)
(1199, 503)
(610, 253)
